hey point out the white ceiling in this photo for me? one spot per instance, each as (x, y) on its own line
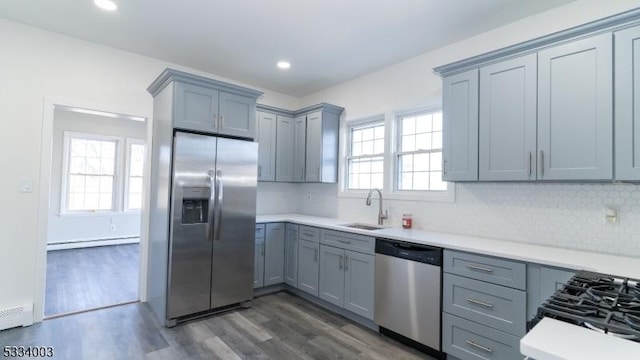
(327, 42)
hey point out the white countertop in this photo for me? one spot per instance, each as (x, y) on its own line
(545, 255)
(556, 340)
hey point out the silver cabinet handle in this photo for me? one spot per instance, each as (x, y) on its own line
(530, 163)
(444, 166)
(219, 197)
(259, 171)
(315, 258)
(262, 249)
(484, 348)
(215, 121)
(221, 121)
(344, 241)
(346, 262)
(306, 233)
(541, 163)
(478, 302)
(481, 268)
(340, 262)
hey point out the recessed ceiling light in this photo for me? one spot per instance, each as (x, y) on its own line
(284, 64)
(106, 5)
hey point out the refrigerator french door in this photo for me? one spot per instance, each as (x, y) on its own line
(212, 228)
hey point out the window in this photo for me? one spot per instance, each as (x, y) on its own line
(91, 172)
(418, 157)
(365, 157)
(135, 168)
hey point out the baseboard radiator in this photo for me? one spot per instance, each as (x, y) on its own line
(16, 316)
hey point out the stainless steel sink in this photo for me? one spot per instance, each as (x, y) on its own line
(363, 226)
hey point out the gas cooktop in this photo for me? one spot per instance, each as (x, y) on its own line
(600, 302)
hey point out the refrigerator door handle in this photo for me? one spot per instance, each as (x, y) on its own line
(218, 208)
(211, 209)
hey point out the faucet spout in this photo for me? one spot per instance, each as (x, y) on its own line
(381, 216)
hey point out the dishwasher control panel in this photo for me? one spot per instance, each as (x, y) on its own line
(421, 253)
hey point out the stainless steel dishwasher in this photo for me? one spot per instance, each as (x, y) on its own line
(408, 293)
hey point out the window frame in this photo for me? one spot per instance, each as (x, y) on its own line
(116, 187)
(127, 168)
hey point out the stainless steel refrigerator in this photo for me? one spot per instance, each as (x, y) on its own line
(212, 224)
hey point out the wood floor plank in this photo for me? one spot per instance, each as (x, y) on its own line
(221, 349)
(248, 326)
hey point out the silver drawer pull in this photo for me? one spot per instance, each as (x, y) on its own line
(307, 233)
(344, 241)
(481, 268)
(478, 302)
(479, 346)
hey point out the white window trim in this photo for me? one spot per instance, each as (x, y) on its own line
(127, 168)
(388, 190)
(117, 184)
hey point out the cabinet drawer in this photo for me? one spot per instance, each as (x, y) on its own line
(497, 306)
(309, 233)
(355, 242)
(259, 231)
(467, 340)
(494, 270)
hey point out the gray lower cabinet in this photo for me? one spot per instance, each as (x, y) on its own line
(508, 120)
(266, 138)
(331, 285)
(291, 255)
(627, 103)
(466, 339)
(460, 126)
(308, 266)
(542, 282)
(575, 110)
(359, 283)
(274, 254)
(258, 258)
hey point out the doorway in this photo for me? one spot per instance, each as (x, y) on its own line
(95, 210)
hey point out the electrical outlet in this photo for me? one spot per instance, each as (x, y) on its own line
(26, 185)
(112, 227)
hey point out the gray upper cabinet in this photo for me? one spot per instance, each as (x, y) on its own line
(507, 143)
(460, 126)
(237, 115)
(291, 255)
(575, 124)
(285, 137)
(196, 108)
(274, 254)
(299, 148)
(308, 266)
(322, 136)
(314, 147)
(627, 103)
(266, 138)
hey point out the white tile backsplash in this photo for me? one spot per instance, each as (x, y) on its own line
(555, 214)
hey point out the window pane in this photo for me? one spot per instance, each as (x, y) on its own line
(135, 185)
(423, 141)
(77, 165)
(365, 181)
(106, 184)
(107, 166)
(377, 180)
(92, 184)
(135, 201)
(437, 121)
(76, 201)
(108, 149)
(408, 125)
(105, 202)
(377, 166)
(421, 162)
(136, 168)
(421, 181)
(405, 181)
(356, 149)
(365, 166)
(437, 140)
(408, 143)
(91, 201)
(405, 163)
(378, 132)
(436, 182)
(93, 148)
(367, 148)
(92, 166)
(137, 153)
(436, 161)
(78, 147)
(356, 135)
(367, 134)
(423, 124)
(378, 147)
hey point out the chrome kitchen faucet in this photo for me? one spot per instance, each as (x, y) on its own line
(381, 216)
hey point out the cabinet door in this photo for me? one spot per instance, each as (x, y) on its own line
(508, 110)
(359, 283)
(308, 266)
(196, 108)
(332, 275)
(460, 126)
(314, 147)
(274, 254)
(258, 264)
(284, 148)
(627, 103)
(237, 115)
(575, 125)
(299, 148)
(291, 255)
(266, 146)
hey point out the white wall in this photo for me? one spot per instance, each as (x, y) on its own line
(89, 226)
(565, 215)
(39, 66)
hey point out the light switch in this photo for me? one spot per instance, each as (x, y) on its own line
(26, 184)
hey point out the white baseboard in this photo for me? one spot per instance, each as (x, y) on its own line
(91, 243)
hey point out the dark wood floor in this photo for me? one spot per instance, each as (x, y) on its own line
(90, 278)
(278, 326)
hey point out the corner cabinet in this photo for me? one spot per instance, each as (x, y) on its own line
(266, 138)
(322, 134)
(460, 127)
(209, 106)
(575, 110)
(284, 144)
(508, 117)
(299, 147)
(627, 104)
